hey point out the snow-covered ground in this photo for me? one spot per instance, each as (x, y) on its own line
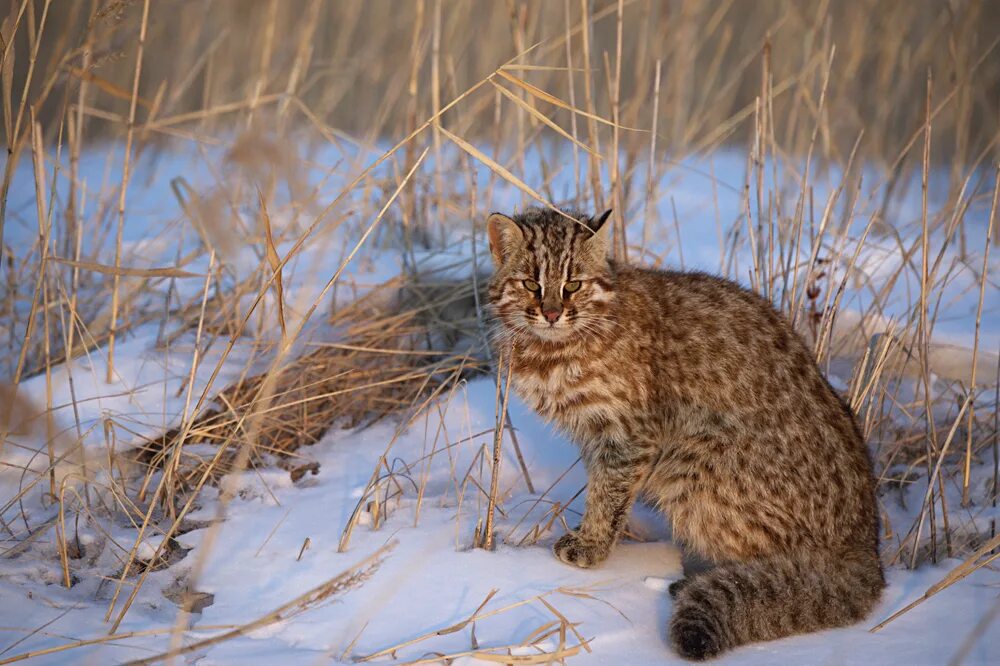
(433, 579)
(278, 539)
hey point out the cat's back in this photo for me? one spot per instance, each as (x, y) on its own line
(712, 341)
(703, 313)
(696, 297)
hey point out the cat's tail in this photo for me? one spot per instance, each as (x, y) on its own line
(770, 598)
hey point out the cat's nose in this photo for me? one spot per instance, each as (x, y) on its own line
(552, 315)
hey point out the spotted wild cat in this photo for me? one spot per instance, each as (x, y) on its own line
(696, 394)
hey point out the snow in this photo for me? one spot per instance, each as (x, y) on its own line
(433, 579)
(261, 540)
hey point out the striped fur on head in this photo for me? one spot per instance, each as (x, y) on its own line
(552, 279)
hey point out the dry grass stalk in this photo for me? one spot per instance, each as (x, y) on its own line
(111, 638)
(971, 564)
(343, 582)
(561, 627)
(967, 468)
(501, 412)
(129, 134)
(275, 264)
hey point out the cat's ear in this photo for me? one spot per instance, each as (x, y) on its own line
(595, 223)
(597, 244)
(504, 235)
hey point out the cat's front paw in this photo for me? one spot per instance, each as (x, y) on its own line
(573, 549)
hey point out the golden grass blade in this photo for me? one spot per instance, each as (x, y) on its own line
(275, 263)
(543, 118)
(541, 68)
(501, 171)
(967, 468)
(542, 658)
(464, 623)
(551, 99)
(7, 74)
(107, 86)
(501, 420)
(498, 168)
(160, 272)
(122, 192)
(98, 641)
(475, 616)
(967, 567)
(219, 110)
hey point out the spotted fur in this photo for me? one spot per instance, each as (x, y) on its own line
(696, 394)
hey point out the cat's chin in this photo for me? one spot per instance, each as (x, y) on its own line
(553, 333)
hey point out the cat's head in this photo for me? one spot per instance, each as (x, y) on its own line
(551, 278)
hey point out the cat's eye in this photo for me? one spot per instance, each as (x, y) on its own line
(572, 286)
(531, 285)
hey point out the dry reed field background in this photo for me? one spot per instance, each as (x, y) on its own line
(247, 412)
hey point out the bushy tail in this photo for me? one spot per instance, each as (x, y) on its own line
(770, 598)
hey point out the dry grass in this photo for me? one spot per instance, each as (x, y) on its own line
(381, 62)
(382, 365)
(531, 649)
(604, 91)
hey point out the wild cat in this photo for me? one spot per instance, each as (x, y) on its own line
(695, 393)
